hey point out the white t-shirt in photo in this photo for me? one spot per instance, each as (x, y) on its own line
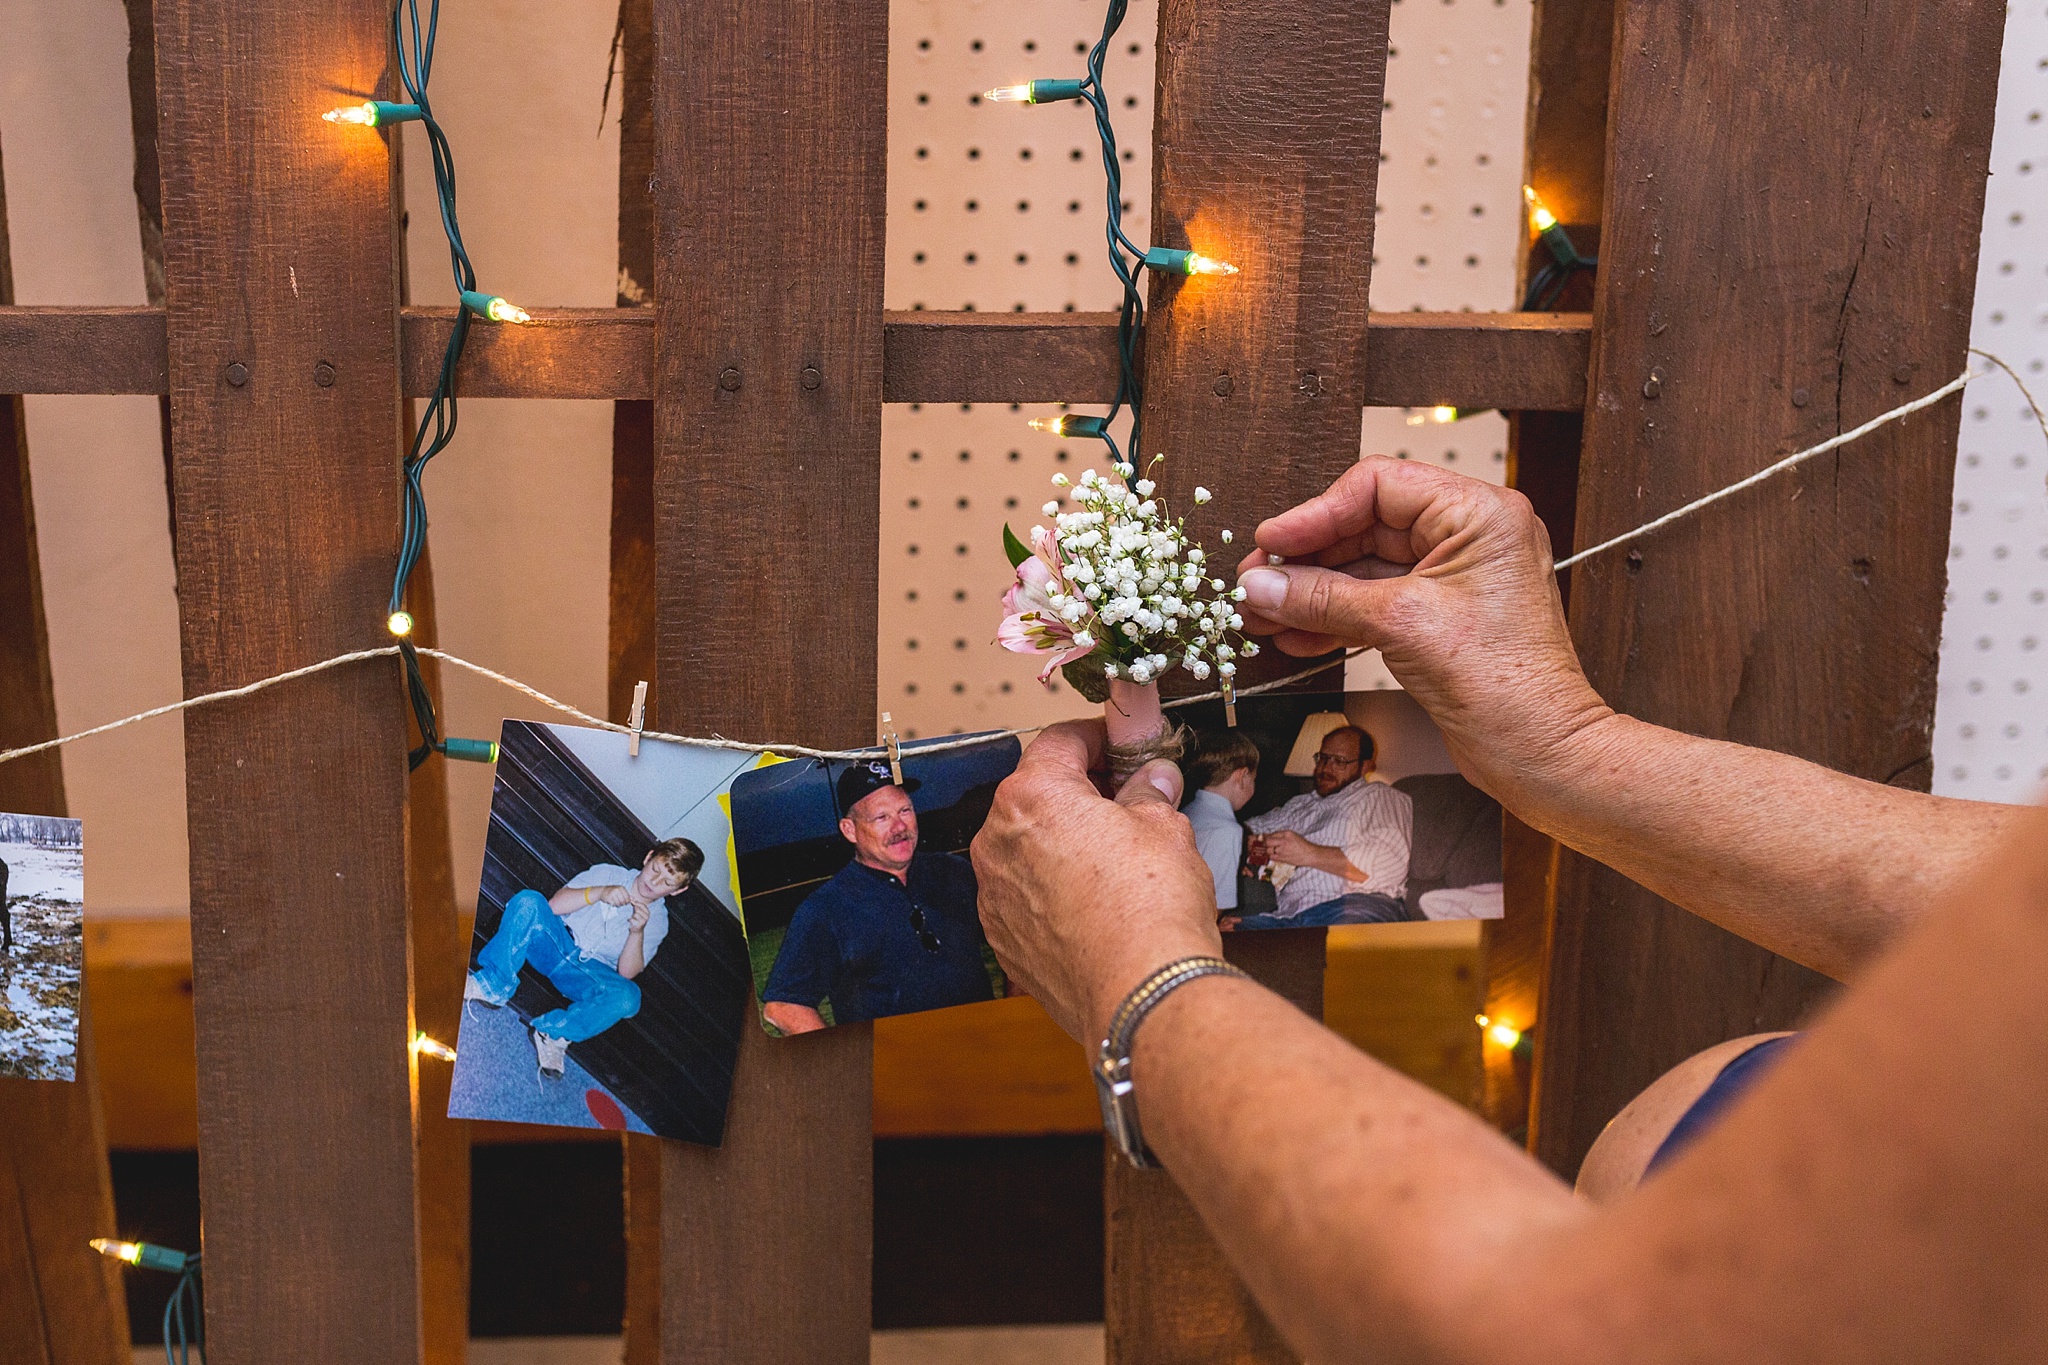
(600, 929)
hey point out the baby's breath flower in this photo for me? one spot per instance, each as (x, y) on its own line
(1061, 481)
(1052, 509)
(1145, 487)
(1202, 495)
(1226, 536)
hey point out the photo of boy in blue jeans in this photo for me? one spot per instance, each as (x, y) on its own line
(590, 939)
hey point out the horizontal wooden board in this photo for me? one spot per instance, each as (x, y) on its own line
(1513, 361)
(1402, 992)
(83, 350)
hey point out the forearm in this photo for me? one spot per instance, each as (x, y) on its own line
(634, 956)
(1813, 864)
(1335, 861)
(1366, 1213)
(570, 899)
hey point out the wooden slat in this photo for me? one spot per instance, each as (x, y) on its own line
(632, 606)
(278, 258)
(82, 350)
(1761, 292)
(440, 958)
(1512, 361)
(64, 1304)
(1265, 151)
(767, 469)
(1565, 160)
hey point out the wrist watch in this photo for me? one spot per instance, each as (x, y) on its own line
(1113, 1062)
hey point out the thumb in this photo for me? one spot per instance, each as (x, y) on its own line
(1320, 601)
(1156, 784)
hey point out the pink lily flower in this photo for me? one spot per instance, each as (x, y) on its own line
(1031, 625)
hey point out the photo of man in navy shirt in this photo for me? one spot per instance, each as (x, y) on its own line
(893, 932)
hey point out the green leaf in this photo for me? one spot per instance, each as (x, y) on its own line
(1086, 677)
(1016, 549)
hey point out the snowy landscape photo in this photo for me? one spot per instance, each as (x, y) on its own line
(42, 945)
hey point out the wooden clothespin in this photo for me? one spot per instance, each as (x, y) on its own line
(1230, 703)
(638, 720)
(893, 745)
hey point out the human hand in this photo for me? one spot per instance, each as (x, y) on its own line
(1451, 580)
(1082, 897)
(638, 919)
(614, 895)
(1289, 847)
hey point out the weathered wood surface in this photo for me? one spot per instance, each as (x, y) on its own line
(1566, 161)
(278, 260)
(440, 960)
(1761, 292)
(118, 349)
(632, 606)
(1515, 361)
(1265, 152)
(767, 470)
(64, 1304)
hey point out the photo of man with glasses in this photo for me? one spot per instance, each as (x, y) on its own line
(1348, 842)
(893, 932)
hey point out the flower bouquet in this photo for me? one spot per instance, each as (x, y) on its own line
(1114, 595)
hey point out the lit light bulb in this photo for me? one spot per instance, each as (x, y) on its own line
(374, 113)
(1435, 414)
(1199, 264)
(399, 623)
(421, 1043)
(131, 1252)
(1540, 215)
(493, 307)
(1507, 1035)
(1185, 262)
(363, 115)
(1069, 424)
(1009, 94)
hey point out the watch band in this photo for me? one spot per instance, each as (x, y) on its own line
(1113, 1063)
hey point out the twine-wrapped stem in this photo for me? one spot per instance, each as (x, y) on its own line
(1138, 729)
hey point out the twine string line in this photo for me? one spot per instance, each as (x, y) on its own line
(942, 746)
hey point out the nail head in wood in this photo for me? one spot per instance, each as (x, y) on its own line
(323, 375)
(729, 379)
(238, 374)
(810, 378)
(1800, 398)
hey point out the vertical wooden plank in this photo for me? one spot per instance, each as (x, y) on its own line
(1570, 46)
(1265, 152)
(64, 1302)
(1758, 293)
(280, 257)
(440, 957)
(770, 139)
(632, 596)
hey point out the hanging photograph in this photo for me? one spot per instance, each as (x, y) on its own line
(860, 901)
(42, 945)
(607, 981)
(1336, 808)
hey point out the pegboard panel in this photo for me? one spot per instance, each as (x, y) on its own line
(1991, 710)
(1000, 207)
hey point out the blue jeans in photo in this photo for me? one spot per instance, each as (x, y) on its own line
(530, 932)
(1360, 907)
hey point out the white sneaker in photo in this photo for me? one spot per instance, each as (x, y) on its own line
(474, 989)
(552, 1052)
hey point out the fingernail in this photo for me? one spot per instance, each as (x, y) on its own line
(1264, 589)
(1166, 779)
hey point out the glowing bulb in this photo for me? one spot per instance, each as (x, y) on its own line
(1009, 94)
(1541, 216)
(422, 1043)
(1436, 414)
(1199, 264)
(399, 623)
(1507, 1035)
(1070, 424)
(363, 115)
(131, 1252)
(493, 307)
